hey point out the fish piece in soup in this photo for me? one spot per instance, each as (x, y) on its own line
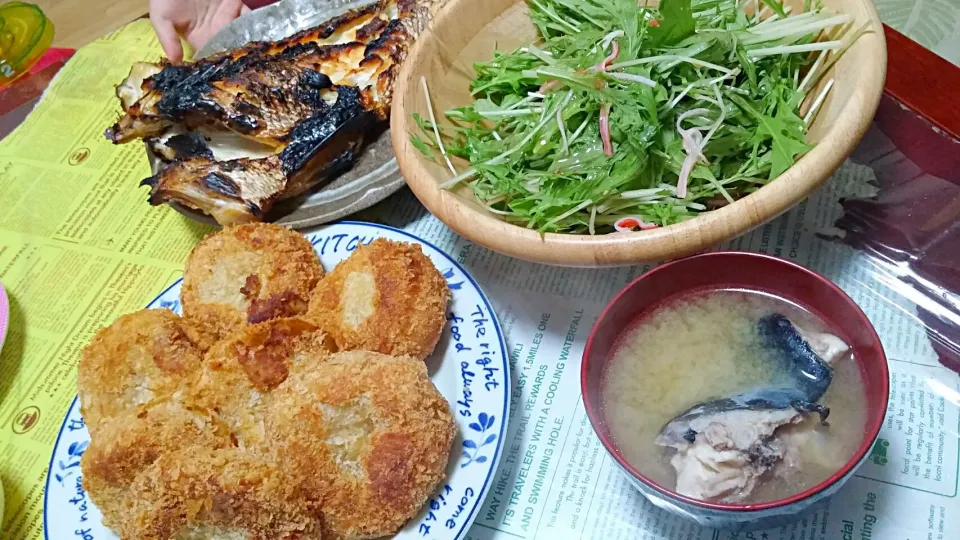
(730, 453)
(723, 395)
(725, 446)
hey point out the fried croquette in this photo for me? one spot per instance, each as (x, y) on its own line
(217, 494)
(386, 297)
(369, 435)
(247, 274)
(242, 419)
(141, 357)
(240, 372)
(129, 443)
(211, 323)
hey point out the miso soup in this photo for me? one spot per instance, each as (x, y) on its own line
(708, 395)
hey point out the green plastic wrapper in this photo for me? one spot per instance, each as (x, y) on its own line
(25, 35)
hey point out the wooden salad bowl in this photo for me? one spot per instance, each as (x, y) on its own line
(467, 31)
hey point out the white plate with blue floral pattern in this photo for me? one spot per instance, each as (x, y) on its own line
(470, 368)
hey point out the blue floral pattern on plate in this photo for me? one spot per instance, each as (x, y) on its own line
(471, 449)
(469, 367)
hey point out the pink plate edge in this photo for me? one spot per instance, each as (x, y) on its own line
(4, 315)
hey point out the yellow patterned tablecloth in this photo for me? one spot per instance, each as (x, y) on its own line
(79, 246)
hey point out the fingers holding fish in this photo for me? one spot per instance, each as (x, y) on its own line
(337, 76)
(216, 87)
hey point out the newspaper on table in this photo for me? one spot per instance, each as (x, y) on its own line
(555, 479)
(79, 246)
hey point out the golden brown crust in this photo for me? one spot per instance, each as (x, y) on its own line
(206, 324)
(129, 443)
(211, 492)
(141, 357)
(369, 435)
(240, 373)
(386, 297)
(218, 425)
(247, 274)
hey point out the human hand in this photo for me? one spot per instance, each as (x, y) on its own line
(196, 20)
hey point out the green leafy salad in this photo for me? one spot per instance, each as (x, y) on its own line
(624, 117)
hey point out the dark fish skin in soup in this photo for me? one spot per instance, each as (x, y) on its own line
(726, 445)
(811, 374)
(756, 400)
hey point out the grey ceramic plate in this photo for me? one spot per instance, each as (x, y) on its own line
(374, 176)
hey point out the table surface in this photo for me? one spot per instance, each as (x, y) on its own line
(78, 22)
(935, 25)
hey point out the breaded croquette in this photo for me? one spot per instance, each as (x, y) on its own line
(247, 274)
(240, 372)
(141, 357)
(369, 435)
(129, 443)
(217, 494)
(273, 409)
(386, 297)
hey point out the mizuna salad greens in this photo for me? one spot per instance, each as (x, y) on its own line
(623, 117)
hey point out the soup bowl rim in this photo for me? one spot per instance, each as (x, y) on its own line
(874, 419)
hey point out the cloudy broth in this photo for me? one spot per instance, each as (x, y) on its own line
(707, 346)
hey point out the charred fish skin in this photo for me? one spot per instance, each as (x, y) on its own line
(327, 144)
(232, 192)
(264, 101)
(256, 93)
(244, 190)
(306, 103)
(145, 86)
(261, 99)
(188, 145)
(309, 136)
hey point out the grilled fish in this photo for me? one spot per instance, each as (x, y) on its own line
(155, 96)
(244, 189)
(293, 112)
